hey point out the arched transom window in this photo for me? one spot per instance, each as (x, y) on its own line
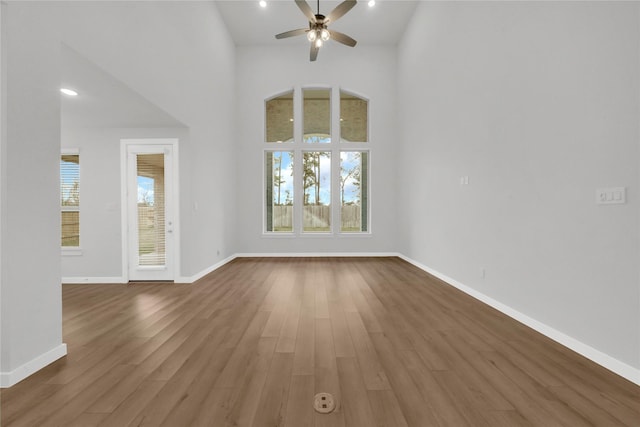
(316, 162)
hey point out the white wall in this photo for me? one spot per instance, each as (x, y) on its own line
(179, 56)
(30, 289)
(100, 212)
(538, 104)
(266, 71)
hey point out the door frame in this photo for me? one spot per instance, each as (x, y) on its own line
(175, 205)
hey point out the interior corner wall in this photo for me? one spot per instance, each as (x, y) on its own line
(100, 259)
(180, 57)
(31, 333)
(537, 103)
(266, 71)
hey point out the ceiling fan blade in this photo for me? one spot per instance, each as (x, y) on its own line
(342, 38)
(314, 52)
(340, 10)
(291, 33)
(306, 9)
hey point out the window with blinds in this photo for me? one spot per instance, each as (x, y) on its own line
(151, 210)
(70, 199)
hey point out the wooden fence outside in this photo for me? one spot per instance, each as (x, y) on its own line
(317, 217)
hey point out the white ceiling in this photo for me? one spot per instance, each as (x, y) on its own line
(103, 100)
(250, 24)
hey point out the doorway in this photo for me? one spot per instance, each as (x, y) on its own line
(150, 209)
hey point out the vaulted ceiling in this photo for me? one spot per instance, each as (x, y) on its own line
(250, 24)
(107, 102)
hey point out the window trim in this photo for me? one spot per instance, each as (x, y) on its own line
(357, 95)
(335, 147)
(71, 250)
(294, 113)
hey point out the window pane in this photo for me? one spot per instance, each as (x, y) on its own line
(317, 191)
(353, 118)
(279, 118)
(70, 199)
(70, 180)
(151, 219)
(70, 228)
(353, 190)
(317, 115)
(279, 179)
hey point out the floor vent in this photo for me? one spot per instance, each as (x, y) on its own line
(324, 403)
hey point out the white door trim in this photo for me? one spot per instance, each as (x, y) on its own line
(124, 148)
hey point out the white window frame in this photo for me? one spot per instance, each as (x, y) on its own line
(72, 250)
(335, 147)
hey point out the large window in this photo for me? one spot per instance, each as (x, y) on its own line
(70, 199)
(279, 169)
(317, 179)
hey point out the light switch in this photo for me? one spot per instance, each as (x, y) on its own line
(611, 196)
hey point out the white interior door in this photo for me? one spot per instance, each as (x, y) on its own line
(150, 208)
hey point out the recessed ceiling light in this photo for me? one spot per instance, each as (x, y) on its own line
(263, 3)
(372, 3)
(69, 92)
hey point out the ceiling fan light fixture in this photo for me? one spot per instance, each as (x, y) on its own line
(312, 35)
(317, 33)
(372, 3)
(263, 3)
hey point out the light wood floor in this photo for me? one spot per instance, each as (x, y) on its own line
(250, 345)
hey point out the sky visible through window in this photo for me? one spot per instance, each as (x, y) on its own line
(145, 190)
(69, 174)
(284, 195)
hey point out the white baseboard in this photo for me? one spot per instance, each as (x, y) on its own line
(201, 274)
(316, 254)
(7, 379)
(93, 280)
(602, 359)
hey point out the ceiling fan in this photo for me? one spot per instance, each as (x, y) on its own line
(317, 33)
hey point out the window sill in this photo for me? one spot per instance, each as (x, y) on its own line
(364, 234)
(317, 235)
(73, 251)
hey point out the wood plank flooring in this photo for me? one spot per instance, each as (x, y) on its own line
(254, 341)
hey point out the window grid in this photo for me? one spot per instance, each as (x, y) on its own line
(329, 207)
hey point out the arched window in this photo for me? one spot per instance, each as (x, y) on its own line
(316, 162)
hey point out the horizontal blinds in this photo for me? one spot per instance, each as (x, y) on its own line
(151, 210)
(70, 199)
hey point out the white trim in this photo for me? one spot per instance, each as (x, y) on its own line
(175, 206)
(624, 370)
(317, 254)
(201, 274)
(8, 379)
(94, 280)
(71, 251)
